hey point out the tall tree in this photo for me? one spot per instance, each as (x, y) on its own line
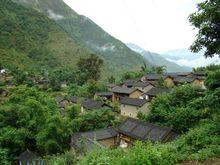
(90, 68)
(207, 20)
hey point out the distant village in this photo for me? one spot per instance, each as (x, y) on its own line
(133, 97)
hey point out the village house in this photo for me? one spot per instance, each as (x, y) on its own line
(143, 86)
(152, 78)
(110, 86)
(180, 74)
(119, 92)
(28, 157)
(131, 107)
(92, 140)
(124, 135)
(199, 73)
(89, 104)
(138, 84)
(189, 80)
(104, 95)
(130, 83)
(132, 129)
(169, 81)
(153, 93)
(61, 101)
(74, 100)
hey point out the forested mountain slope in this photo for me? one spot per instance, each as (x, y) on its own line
(31, 41)
(117, 56)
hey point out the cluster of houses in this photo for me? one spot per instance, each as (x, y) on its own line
(124, 135)
(133, 97)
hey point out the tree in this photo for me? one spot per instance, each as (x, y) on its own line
(181, 108)
(90, 67)
(30, 118)
(206, 19)
(101, 118)
(111, 79)
(212, 80)
(160, 69)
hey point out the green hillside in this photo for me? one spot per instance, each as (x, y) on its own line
(117, 56)
(29, 40)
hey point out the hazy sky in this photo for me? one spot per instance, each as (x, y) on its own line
(155, 25)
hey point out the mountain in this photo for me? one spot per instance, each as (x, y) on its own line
(31, 41)
(157, 59)
(185, 57)
(117, 56)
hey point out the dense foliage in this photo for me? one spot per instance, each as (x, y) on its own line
(206, 19)
(30, 119)
(199, 143)
(90, 68)
(26, 43)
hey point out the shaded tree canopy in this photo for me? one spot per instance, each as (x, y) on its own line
(90, 67)
(207, 20)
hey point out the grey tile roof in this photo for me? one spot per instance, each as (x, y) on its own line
(141, 130)
(153, 76)
(123, 90)
(199, 73)
(200, 77)
(176, 74)
(85, 144)
(130, 82)
(91, 138)
(155, 91)
(92, 104)
(100, 134)
(141, 84)
(62, 105)
(184, 79)
(111, 85)
(73, 99)
(104, 94)
(133, 102)
(59, 99)
(27, 156)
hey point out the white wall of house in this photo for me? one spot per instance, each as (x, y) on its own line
(132, 111)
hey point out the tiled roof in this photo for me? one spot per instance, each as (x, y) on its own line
(199, 73)
(111, 85)
(92, 104)
(104, 94)
(59, 99)
(100, 134)
(184, 79)
(130, 82)
(73, 99)
(141, 130)
(153, 76)
(141, 84)
(133, 102)
(123, 90)
(156, 91)
(91, 138)
(27, 156)
(176, 74)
